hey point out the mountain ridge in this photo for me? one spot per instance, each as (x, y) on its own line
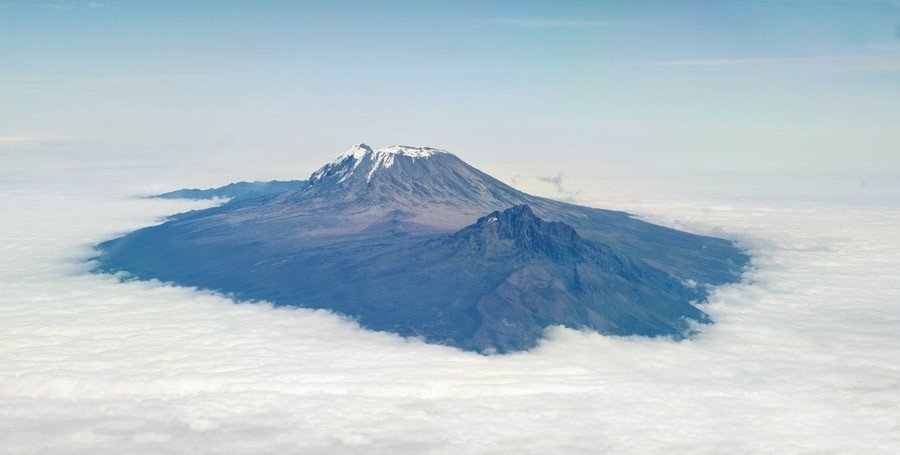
(423, 244)
(236, 190)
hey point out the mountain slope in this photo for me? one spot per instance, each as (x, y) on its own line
(239, 190)
(495, 285)
(399, 239)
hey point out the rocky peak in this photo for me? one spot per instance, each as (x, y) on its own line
(530, 233)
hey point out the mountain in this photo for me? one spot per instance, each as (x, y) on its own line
(415, 241)
(239, 190)
(496, 284)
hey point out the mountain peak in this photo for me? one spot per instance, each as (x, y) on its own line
(357, 151)
(434, 185)
(369, 160)
(408, 150)
(517, 215)
(528, 232)
(361, 150)
(403, 176)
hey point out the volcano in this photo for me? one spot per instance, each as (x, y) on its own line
(414, 241)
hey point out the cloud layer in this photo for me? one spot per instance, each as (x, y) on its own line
(804, 357)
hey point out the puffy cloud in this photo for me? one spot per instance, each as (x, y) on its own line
(804, 356)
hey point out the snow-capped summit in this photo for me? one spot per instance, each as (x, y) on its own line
(361, 150)
(408, 150)
(403, 177)
(357, 151)
(371, 160)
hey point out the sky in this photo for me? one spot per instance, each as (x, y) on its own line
(770, 123)
(274, 89)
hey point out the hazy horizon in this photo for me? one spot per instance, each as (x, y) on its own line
(647, 87)
(770, 123)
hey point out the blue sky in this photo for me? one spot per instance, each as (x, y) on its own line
(516, 87)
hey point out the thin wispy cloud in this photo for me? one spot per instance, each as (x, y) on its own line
(29, 142)
(10, 140)
(557, 182)
(59, 5)
(859, 60)
(552, 23)
(21, 140)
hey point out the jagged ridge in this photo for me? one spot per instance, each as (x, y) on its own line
(554, 239)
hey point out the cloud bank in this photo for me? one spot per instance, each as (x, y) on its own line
(804, 357)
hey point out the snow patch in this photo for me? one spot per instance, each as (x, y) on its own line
(415, 152)
(358, 152)
(380, 159)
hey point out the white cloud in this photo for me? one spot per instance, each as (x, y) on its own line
(31, 142)
(806, 359)
(14, 140)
